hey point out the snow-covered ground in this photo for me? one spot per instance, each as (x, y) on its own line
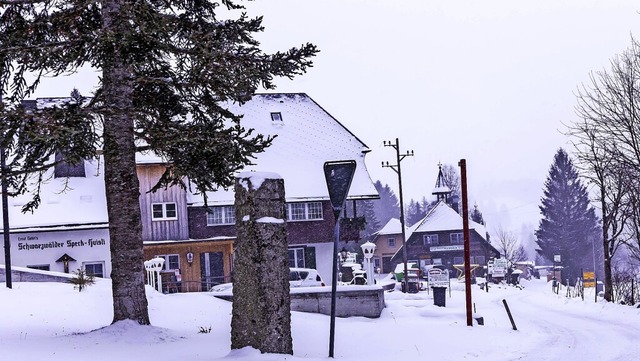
(52, 321)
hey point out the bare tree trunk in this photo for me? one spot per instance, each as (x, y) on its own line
(261, 302)
(608, 280)
(121, 183)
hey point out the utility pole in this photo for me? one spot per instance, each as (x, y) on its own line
(396, 168)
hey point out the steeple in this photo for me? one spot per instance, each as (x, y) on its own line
(442, 190)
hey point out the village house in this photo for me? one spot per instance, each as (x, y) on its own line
(70, 229)
(388, 241)
(437, 239)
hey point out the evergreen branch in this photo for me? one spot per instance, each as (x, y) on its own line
(22, 2)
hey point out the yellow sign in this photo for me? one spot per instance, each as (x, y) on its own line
(589, 279)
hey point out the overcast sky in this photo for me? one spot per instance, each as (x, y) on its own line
(490, 81)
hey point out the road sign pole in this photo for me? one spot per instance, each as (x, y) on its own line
(338, 175)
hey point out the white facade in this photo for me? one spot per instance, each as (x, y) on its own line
(89, 249)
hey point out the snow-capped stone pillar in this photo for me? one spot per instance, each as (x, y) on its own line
(261, 303)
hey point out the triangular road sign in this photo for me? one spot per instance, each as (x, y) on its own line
(339, 175)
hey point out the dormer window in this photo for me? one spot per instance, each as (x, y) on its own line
(276, 117)
(63, 169)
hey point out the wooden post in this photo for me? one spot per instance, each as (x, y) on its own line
(467, 246)
(261, 316)
(506, 307)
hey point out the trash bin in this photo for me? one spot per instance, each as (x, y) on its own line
(515, 278)
(439, 296)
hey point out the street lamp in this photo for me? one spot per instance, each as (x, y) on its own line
(368, 248)
(396, 168)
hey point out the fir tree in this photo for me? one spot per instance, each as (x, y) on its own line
(373, 225)
(387, 206)
(476, 215)
(568, 221)
(415, 212)
(166, 68)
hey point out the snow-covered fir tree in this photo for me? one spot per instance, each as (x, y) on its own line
(568, 221)
(476, 215)
(165, 69)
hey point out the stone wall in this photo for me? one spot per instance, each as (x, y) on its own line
(359, 301)
(20, 274)
(367, 302)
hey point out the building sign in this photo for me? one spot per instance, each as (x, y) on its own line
(447, 248)
(438, 278)
(48, 250)
(32, 243)
(499, 268)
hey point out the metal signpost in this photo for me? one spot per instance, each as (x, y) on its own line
(338, 175)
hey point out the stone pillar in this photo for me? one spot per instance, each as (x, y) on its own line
(261, 303)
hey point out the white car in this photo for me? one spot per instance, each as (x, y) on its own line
(304, 277)
(298, 277)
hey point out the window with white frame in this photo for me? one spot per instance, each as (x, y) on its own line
(456, 238)
(437, 261)
(391, 242)
(94, 268)
(164, 211)
(304, 211)
(296, 257)
(458, 260)
(430, 239)
(221, 215)
(171, 261)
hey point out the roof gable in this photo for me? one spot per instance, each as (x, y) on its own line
(393, 226)
(444, 218)
(306, 137)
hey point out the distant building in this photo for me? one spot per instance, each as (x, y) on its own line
(437, 239)
(388, 241)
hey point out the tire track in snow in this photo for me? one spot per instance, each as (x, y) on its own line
(567, 334)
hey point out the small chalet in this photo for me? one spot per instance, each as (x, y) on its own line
(388, 241)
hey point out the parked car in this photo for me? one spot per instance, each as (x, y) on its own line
(304, 277)
(412, 268)
(298, 277)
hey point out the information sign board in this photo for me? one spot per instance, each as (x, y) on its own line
(499, 267)
(438, 278)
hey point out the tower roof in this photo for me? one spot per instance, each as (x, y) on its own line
(441, 189)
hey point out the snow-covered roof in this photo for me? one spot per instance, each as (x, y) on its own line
(307, 137)
(82, 203)
(444, 218)
(393, 226)
(441, 189)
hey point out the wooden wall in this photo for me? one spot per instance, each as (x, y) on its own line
(148, 175)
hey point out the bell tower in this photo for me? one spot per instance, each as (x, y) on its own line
(442, 190)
